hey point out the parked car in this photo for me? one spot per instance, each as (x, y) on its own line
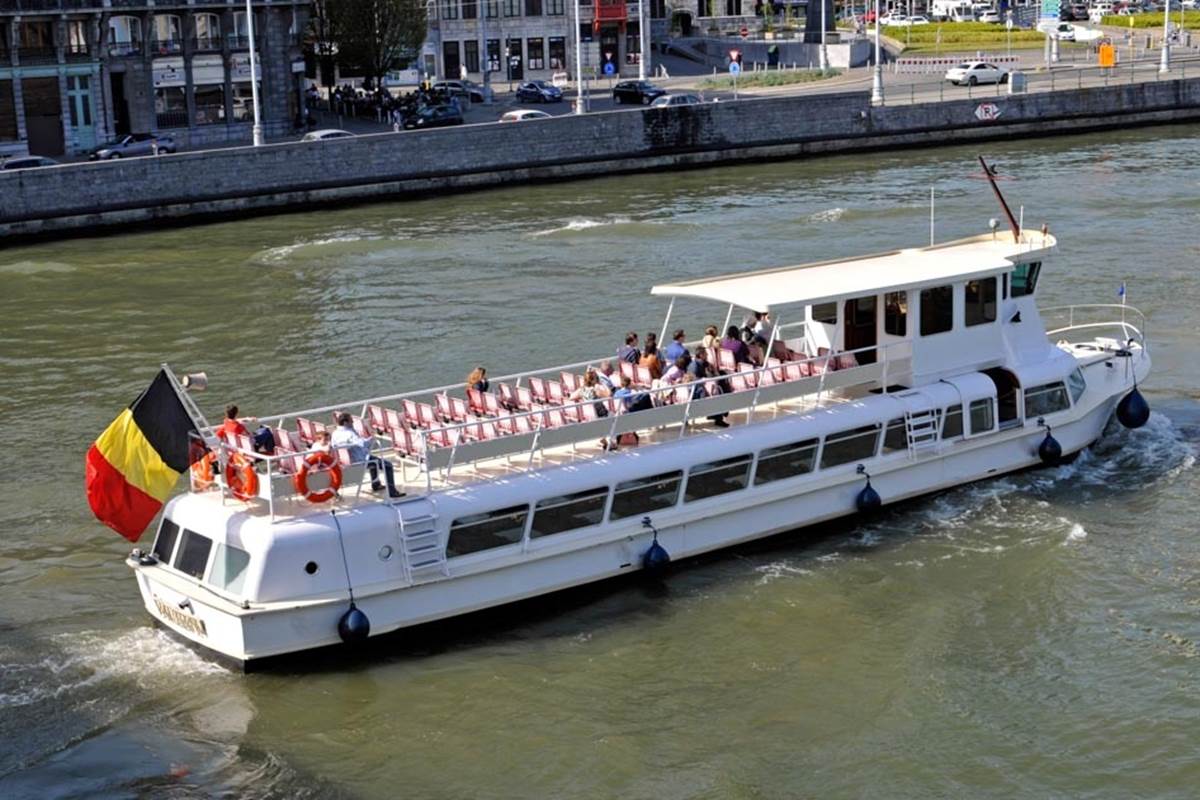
(434, 117)
(325, 134)
(976, 72)
(28, 162)
(523, 114)
(990, 16)
(464, 88)
(134, 144)
(640, 92)
(676, 100)
(538, 92)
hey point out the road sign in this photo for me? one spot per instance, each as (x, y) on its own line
(745, 32)
(1008, 23)
(734, 68)
(987, 112)
(609, 68)
(1107, 55)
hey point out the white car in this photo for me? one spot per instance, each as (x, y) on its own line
(676, 100)
(972, 73)
(523, 115)
(894, 20)
(990, 16)
(325, 134)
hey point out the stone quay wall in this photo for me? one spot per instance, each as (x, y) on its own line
(221, 183)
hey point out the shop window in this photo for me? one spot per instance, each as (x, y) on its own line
(633, 43)
(1025, 278)
(979, 302)
(192, 557)
(895, 313)
(471, 55)
(569, 512)
(536, 52)
(487, 531)
(493, 55)
(937, 310)
(210, 104)
(788, 461)
(856, 444)
(719, 477)
(170, 107)
(1047, 399)
(558, 52)
(633, 498)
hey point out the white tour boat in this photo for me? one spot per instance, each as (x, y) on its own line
(904, 373)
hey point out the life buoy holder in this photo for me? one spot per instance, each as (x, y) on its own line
(241, 478)
(327, 463)
(204, 471)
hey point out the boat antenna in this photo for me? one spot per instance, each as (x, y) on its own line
(990, 174)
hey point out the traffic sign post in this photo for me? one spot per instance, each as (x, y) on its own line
(744, 32)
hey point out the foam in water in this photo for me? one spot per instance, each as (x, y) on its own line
(275, 255)
(582, 224)
(1076, 534)
(828, 215)
(779, 569)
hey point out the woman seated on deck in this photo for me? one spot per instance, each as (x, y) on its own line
(477, 380)
(591, 389)
(651, 360)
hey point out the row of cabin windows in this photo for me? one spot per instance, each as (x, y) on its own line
(980, 303)
(634, 498)
(190, 551)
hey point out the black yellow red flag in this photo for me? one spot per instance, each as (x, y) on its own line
(133, 466)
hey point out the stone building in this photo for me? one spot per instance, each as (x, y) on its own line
(74, 73)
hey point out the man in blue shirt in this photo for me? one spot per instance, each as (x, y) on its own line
(345, 438)
(676, 348)
(629, 351)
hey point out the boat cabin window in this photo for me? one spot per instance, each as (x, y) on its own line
(718, 477)
(569, 512)
(983, 416)
(855, 444)
(937, 310)
(1077, 384)
(1046, 399)
(1004, 286)
(1024, 278)
(164, 545)
(192, 557)
(788, 461)
(952, 424)
(896, 436)
(895, 313)
(486, 531)
(229, 568)
(632, 498)
(980, 302)
(825, 313)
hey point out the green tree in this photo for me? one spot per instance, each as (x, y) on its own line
(376, 34)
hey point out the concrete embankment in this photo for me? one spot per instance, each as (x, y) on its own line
(220, 183)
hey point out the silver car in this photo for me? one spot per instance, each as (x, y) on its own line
(134, 144)
(676, 100)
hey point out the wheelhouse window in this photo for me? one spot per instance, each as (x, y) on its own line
(568, 512)
(952, 423)
(895, 313)
(825, 313)
(192, 557)
(980, 302)
(632, 498)
(895, 437)
(1077, 384)
(164, 545)
(1024, 278)
(788, 461)
(855, 444)
(937, 310)
(718, 477)
(1046, 399)
(487, 531)
(983, 416)
(229, 568)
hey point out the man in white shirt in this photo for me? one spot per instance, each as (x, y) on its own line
(345, 438)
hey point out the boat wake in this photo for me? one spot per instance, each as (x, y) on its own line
(582, 224)
(827, 215)
(275, 255)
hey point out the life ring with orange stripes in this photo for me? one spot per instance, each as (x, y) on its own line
(204, 471)
(327, 463)
(241, 478)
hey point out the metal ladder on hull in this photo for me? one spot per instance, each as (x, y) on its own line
(921, 428)
(421, 550)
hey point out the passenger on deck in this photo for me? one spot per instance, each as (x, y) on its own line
(733, 343)
(629, 351)
(677, 371)
(711, 337)
(608, 376)
(699, 370)
(631, 400)
(651, 361)
(356, 448)
(676, 348)
(591, 389)
(651, 339)
(231, 426)
(322, 442)
(478, 379)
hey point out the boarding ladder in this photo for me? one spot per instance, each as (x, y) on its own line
(421, 552)
(921, 428)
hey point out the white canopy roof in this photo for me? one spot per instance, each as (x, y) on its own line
(832, 280)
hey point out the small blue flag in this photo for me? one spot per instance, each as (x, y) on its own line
(1121, 291)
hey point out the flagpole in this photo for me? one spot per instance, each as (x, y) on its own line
(189, 404)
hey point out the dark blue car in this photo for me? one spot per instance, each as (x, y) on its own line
(538, 92)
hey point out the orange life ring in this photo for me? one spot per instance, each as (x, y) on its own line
(204, 471)
(241, 478)
(320, 459)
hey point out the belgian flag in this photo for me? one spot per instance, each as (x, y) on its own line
(133, 466)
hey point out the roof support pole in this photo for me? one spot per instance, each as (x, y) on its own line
(662, 337)
(728, 316)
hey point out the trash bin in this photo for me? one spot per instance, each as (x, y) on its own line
(1016, 83)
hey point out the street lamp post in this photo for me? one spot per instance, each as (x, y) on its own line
(824, 50)
(256, 131)
(877, 79)
(578, 64)
(487, 56)
(1165, 64)
(643, 35)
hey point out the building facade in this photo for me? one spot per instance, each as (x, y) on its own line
(75, 73)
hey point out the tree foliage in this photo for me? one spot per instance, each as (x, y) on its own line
(375, 35)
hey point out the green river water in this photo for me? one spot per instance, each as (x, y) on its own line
(1032, 636)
